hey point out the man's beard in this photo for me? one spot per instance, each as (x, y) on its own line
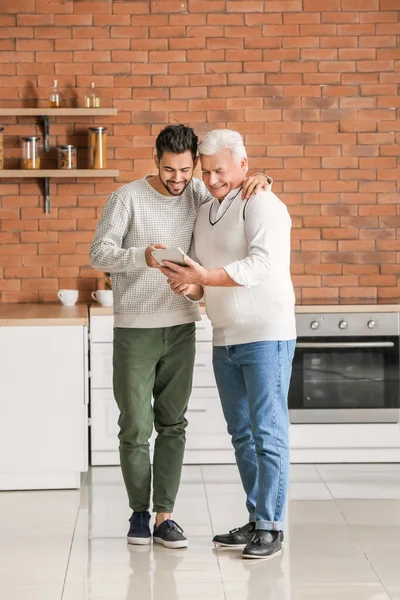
(172, 192)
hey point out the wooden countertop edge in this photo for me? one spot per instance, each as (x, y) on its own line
(30, 315)
(44, 315)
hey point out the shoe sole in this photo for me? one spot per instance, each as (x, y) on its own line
(262, 557)
(230, 545)
(234, 545)
(179, 544)
(137, 541)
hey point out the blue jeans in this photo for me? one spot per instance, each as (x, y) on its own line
(253, 383)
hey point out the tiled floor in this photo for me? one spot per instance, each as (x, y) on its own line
(342, 541)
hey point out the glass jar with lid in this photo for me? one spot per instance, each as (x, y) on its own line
(1, 147)
(30, 152)
(97, 147)
(66, 157)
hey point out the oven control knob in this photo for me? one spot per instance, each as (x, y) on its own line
(314, 325)
(343, 325)
(371, 324)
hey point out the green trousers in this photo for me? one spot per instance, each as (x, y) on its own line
(153, 362)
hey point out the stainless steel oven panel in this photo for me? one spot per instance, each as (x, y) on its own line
(347, 324)
(356, 415)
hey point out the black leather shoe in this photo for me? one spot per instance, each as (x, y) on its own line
(264, 544)
(236, 537)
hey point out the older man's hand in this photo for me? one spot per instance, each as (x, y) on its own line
(193, 273)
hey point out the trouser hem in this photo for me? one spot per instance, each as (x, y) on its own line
(166, 509)
(270, 525)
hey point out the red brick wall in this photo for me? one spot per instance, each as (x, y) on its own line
(315, 94)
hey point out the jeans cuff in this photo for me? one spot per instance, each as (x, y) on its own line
(270, 525)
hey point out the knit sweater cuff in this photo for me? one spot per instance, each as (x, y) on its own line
(139, 258)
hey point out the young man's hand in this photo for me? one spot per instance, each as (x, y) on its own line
(193, 273)
(193, 291)
(150, 260)
(255, 183)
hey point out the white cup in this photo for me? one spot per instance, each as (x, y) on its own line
(68, 297)
(103, 297)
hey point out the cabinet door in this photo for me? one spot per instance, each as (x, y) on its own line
(203, 375)
(43, 415)
(101, 328)
(101, 366)
(204, 330)
(206, 423)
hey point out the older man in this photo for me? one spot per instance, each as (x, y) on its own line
(244, 272)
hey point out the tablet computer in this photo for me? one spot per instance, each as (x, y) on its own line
(175, 255)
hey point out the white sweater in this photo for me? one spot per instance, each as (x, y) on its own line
(135, 216)
(251, 241)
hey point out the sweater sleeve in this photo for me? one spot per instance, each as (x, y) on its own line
(267, 223)
(106, 252)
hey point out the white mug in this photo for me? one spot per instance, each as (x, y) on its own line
(68, 297)
(103, 297)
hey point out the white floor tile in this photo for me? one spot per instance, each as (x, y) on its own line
(312, 490)
(342, 540)
(35, 565)
(30, 592)
(370, 512)
(365, 490)
(304, 591)
(164, 589)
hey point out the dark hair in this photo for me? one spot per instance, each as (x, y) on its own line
(177, 139)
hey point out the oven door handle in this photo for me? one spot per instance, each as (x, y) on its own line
(320, 345)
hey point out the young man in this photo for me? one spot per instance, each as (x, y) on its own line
(244, 250)
(154, 335)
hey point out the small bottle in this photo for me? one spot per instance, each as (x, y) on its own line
(92, 98)
(55, 96)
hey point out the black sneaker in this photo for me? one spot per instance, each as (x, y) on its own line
(236, 537)
(170, 535)
(139, 531)
(264, 544)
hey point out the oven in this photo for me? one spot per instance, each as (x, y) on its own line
(346, 368)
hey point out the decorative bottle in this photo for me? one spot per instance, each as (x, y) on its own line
(92, 98)
(55, 96)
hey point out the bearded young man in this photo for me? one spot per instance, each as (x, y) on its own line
(244, 253)
(154, 330)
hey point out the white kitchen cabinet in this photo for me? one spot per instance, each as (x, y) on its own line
(207, 440)
(43, 406)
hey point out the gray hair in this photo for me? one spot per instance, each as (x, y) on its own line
(221, 139)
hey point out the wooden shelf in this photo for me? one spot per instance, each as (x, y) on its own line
(44, 114)
(59, 112)
(60, 173)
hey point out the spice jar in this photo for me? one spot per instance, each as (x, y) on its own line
(30, 152)
(66, 157)
(1, 147)
(98, 146)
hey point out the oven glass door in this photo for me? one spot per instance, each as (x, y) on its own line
(345, 373)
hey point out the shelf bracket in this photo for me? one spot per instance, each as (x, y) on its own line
(46, 132)
(47, 195)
